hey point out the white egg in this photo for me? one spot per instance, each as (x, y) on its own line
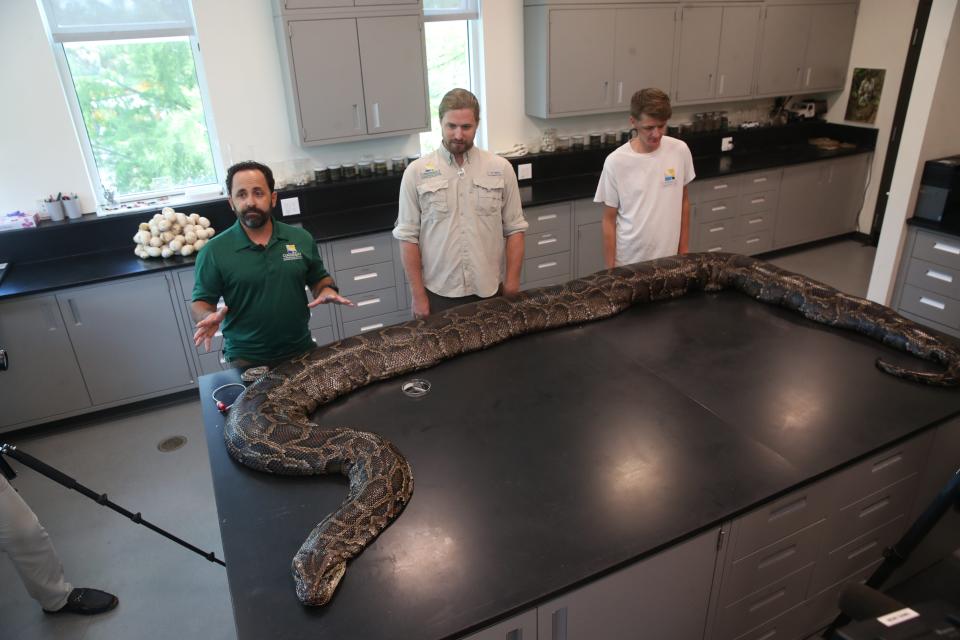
(157, 217)
(136, 237)
(166, 252)
(204, 222)
(177, 228)
(167, 210)
(166, 237)
(176, 245)
(155, 242)
(139, 251)
(154, 230)
(210, 232)
(194, 218)
(181, 218)
(154, 252)
(199, 244)
(163, 225)
(179, 238)
(187, 250)
(145, 237)
(187, 228)
(144, 226)
(190, 237)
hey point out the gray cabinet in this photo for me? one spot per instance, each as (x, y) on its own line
(664, 596)
(592, 60)
(548, 252)
(805, 47)
(43, 379)
(294, 5)
(819, 200)
(717, 49)
(928, 280)
(735, 213)
(351, 78)
(127, 338)
(588, 245)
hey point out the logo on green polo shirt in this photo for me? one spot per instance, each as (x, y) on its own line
(292, 253)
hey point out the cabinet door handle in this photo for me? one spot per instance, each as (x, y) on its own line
(717, 187)
(356, 117)
(620, 92)
(758, 200)
(364, 303)
(936, 275)
(753, 240)
(886, 462)
(807, 81)
(549, 216)
(4, 360)
(755, 221)
(547, 241)
(720, 88)
(365, 276)
(930, 302)
(559, 624)
(362, 249)
(74, 312)
(371, 327)
(713, 249)
(722, 207)
(376, 115)
(716, 229)
(947, 248)
(757, 180)
(546, 265)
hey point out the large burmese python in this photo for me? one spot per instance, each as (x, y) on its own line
(269, 426)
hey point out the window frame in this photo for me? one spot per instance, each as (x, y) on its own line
(180, 193)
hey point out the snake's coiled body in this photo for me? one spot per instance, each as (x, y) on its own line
(269, 426)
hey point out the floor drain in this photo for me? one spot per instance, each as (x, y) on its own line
(171, 444)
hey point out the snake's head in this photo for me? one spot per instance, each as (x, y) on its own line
(316, 576)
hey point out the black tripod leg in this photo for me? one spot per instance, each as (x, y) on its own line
(100, 498)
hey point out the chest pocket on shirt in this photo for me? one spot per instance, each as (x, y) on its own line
(489, 195)
(432, 195)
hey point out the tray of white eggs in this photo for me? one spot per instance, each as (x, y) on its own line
(171, 233)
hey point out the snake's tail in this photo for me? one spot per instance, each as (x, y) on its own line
(948, 378)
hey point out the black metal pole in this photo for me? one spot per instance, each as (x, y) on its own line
(100, 498)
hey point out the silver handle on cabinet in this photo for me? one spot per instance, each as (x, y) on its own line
(757, 180)
(370, 327)
(74, 312)
(758, 200)
(717, 187)
(716, 229)
(4, 360)
(876, 506)
(549, 216)
(365, 276)
(886, 462)
(930, 302)
(722, 207)
(862, 550)
(364, 303)
(778, 556)
(620, 92)
(768, 600)
(547, 241)
(755, 221)
(356, 117)
(753, 240)
(376, 115)
(807, 81)
(713, 249)
(720, 88)
(361, 250)
(786, 510)
(947, 248)
(546, 265)
(558, 625)
(936, 275)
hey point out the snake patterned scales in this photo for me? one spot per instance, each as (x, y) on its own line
(269, 427)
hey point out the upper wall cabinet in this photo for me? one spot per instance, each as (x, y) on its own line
(294, 5)
(580, 61)
(717, 49)
(805, 47)
(353, 78)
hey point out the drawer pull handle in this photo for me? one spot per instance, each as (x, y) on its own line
(720, 186)
(549, 216)
(546, 241)
(886, 462)
(755, 221)
(365, 276)
(768, 600)
(361, 250)
(716, 229)
(364, 303)
(786, 510)
(876, 506)
(714, 249)
(753, 240)
(936, 275)
(371, 326)
(758, 200)
(769, 634)
(862, 550)
(778, 557)
(756, 180)
(930, 302)
(546, 265)
(722, 207)
(559, 624)
(939, 246)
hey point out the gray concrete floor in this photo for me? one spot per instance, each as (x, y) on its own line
(166, 591)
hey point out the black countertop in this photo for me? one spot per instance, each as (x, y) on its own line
(546, 462)
(42, 276)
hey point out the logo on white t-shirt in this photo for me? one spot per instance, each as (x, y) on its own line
(669, 176)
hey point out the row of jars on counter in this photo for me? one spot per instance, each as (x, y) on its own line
(552, 142)
(362, 169)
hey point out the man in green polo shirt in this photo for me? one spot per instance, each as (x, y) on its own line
(260, 267)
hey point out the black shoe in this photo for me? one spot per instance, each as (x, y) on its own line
(87, 602)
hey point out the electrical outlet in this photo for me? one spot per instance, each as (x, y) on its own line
(726, 144)
(525, 171)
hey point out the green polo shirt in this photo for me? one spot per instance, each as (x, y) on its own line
(263, 288)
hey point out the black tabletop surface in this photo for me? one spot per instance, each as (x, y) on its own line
(555, 458)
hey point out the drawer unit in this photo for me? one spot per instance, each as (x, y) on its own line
(552, 266)
(758, 202)
(363, 250)
(548, 218)
(761, 181)
(872, 511)
(930, 305)
(711, 235)
(374, 303)
(751, 223)
(754, 243)
(714, 189)
(368, 278)
(821, 608)
(717, 209)
(547, 242)
(356, 327)
(762, 605)
(773, 562)
(939, 249)
(859, 553)
(934, 278)
(779, 519)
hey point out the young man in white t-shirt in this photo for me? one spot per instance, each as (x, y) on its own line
(643, 188)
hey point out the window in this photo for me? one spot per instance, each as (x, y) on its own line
(130, 71)
(450, 34)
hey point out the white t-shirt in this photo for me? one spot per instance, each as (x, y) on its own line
(647, 191)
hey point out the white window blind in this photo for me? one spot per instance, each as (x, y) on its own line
(86, 20)
(450, 10)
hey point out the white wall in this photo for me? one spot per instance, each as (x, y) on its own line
(881, 40)
(930, 131)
